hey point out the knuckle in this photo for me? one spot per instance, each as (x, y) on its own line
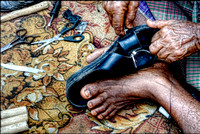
(170, 59)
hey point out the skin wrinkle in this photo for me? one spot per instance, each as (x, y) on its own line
(155, 82)
(116, 11)
(175, 40)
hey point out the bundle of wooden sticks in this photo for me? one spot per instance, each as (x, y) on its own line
(14, 120)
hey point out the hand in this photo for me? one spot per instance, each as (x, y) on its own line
(118, 11)
(175, 40)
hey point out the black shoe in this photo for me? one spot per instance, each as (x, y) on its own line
(125, 56)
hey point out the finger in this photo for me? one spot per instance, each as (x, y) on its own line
(96, 54)
(118, 23)
(163, 53)
(107, 7)
(131, 13)
(159, 23)
(155, 37)
(177, 55)
(110, 19)
(156, 47)
(186, 50)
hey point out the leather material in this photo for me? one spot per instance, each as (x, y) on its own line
(126, 55)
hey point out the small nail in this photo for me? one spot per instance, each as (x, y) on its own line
(100, 116)
(87, 92)
(93, 113)
(90, 104)
(107, 117)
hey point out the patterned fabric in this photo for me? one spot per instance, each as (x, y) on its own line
(44, 94)
(144, 9)
(191, 9)
(181, 10)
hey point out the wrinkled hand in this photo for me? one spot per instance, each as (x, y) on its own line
(118, 11)
(175, 39)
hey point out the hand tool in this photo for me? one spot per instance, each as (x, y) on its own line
(81, 27)
(54, 11)
(22, 68)
(73, 21)
(19, 39)
(25, 11)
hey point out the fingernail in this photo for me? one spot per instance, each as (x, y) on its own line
(87, 93)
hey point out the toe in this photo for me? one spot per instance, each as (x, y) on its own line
(97, 101)
(99, 110)
(89, 91)
(107, 112)
(112, 113)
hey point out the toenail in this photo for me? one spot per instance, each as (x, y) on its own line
(107, 117)
(94, 113)
(87, 92)
(90, 104)
(100, 116)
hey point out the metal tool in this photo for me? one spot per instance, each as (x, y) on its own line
(22, 68)
(73, 21)
(19, 39)
(81, 27)
(54, 11)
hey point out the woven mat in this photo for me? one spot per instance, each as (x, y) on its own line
(44, 93)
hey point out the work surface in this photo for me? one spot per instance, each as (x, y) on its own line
(44, 93)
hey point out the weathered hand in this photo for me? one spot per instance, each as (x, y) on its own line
(118, 11)
(175, 40)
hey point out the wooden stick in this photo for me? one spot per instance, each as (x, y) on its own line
(13, 112)
(15, 128)
(14, 119)
(25, 11)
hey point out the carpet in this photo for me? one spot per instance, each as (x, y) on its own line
(44, 93)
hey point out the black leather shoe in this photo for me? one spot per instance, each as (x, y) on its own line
(125, 56)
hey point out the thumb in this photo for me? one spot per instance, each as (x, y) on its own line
(159, 23)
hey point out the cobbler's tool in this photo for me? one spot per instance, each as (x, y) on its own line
(54, 11)
(73, 22)
(19, 39)
(81, 27)
(14, 120)
(22, 68)
(25, 11)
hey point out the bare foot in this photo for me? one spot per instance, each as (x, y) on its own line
(108, 96)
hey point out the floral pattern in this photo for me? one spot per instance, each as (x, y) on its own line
(44, 93)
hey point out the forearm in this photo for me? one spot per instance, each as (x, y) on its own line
(183, 108)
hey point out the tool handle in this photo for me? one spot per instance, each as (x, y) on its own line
(56, 8)
(74, 38)
(25, 11)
